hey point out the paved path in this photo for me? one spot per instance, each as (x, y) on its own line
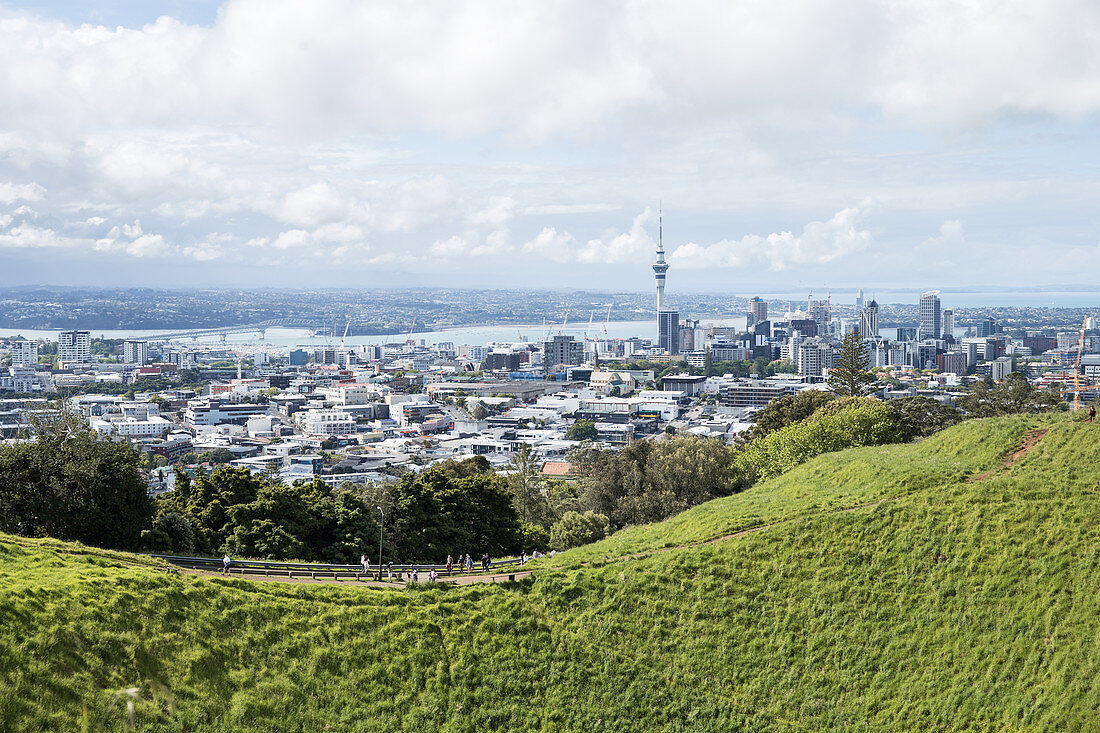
(463, 579)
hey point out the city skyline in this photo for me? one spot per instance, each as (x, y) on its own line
(481, 144)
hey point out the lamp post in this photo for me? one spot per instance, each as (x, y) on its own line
(380, 542)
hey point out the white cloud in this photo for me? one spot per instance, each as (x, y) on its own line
(820, 242)
(28, 236)
(338, 66)
(500, 211)
(12, 192)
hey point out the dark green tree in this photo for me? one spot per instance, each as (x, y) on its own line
(919, 417)
(850, 376)
(71, 484)
(581, 430)
(1011, 396)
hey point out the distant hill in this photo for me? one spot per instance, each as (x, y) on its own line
(946, 585)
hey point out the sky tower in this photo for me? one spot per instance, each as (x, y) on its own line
(660, 267)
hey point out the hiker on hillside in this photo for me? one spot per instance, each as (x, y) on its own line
(389, 570)
(226, 562)
(365, 562)
(1092, 412)
(469, 563)
(450, 563)
(416, 575)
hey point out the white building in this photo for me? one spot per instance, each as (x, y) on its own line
(1000, 368)
(135, 352)
(326, 422)
(74, 347)
(129, 427)
(24, 352)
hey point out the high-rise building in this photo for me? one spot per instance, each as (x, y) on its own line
(135, 352)
(660, 267)
(74, 347)
(987, 327)
(931, 320)
(758, 311)
(868, 321)
(668, 331)
(859, 299)
(819, 312)
(948, 323)
(24, 353)
(906, 333)
(562, 350)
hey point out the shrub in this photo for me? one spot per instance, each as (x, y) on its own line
(575, 529)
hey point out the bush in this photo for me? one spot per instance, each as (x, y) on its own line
(840, 424)
(181, 537)
(574, 529)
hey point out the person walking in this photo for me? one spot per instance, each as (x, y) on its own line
(226, 562)
(1092, 412)
(416, 575)
(365, 562)
(469, 563)
(389, 570)
(450, 563)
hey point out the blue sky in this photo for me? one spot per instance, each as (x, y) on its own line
(801, 145)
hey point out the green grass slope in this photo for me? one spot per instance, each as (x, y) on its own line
(956, 604)
(831, 482)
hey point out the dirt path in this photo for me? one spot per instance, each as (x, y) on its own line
(1031, 439)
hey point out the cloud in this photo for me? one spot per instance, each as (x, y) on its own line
(536, 70)
(950, 238)
(633, 245)
(500, 211)
(820, 242)
(12, 192)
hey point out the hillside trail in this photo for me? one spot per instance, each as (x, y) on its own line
(1030, 440)
(472, 579)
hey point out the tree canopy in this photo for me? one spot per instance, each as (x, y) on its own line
(72, 484)
(850, 376)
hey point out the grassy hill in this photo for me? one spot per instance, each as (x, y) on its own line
(967, 599)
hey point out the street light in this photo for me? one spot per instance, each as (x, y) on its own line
(380, 542)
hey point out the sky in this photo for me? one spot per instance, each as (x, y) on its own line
(800, 145)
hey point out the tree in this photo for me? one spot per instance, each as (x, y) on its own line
(919, 417)
(850, 376)
(783, 366)
(840, 424)
(574, 530)
(524, 481)
(436, 515)
(180, 535)
(1011, 396)
(582, 430)
(789, 409)
(479, 411)
(217, 456)
(71, 484)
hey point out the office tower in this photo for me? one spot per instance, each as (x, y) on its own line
(859, 299)
(931, 320)
(868, 321)
(988, 327)
(758, 311)
(74, 347)
(668, 331)
(906, 333)
(948, 323)
(135, 352)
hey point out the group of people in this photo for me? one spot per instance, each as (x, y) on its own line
(466, 563)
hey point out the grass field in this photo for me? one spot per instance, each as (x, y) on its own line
(958, 604)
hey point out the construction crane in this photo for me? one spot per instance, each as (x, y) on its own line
(409, 339)
(345, 336)
(605, 319)
(1077, 368)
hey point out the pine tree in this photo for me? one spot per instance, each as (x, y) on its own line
(850, 376)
